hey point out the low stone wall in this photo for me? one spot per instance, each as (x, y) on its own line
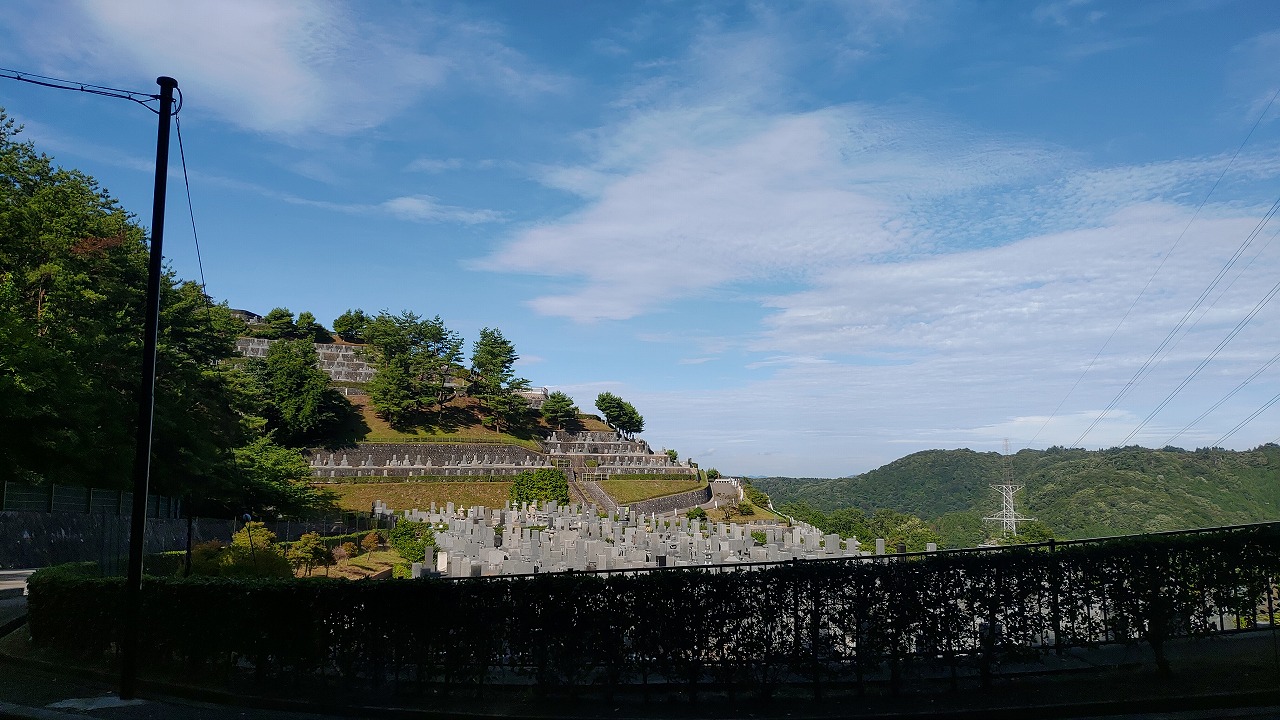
(682, 501)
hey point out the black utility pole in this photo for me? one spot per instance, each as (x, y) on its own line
(146, 404)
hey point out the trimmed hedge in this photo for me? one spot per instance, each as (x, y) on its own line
(815, 622)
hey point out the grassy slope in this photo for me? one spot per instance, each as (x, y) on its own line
(460, 422)
(409, 495)
(1078, 493)
(625, 492)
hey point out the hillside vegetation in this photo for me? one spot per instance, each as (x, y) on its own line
(1077, 493)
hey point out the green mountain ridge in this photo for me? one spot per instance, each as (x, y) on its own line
(1078, 493)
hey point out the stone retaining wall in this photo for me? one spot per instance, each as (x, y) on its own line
(670, 503)
(343, 363)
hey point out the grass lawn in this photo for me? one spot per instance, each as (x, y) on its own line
(625, 492)
(410, 495)
(461, 426)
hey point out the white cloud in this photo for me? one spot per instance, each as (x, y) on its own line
(276, 67)
(682, 201)
(427, 208)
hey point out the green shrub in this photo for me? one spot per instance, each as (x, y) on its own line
(165, 564)
(411, 539)
(253, 553)
(540, 485)
(696, 514)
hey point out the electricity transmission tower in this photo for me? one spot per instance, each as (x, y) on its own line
(1008, 517)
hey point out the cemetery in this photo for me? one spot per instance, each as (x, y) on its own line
(548, 538)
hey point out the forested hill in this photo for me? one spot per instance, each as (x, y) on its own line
(1078, 493)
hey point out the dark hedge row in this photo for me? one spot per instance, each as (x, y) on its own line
(815, 622)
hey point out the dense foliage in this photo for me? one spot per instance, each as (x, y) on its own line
(540, 485)
(559, 411)
(817, 623)
(1077, 493)
(73, 269)
(351, 325)
(417, 363)
(411, 539)
(295, 398)
(278, 324)
(620, 414)
(494, 383)
(896, 528)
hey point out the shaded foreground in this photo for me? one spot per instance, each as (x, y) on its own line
(1023, 626)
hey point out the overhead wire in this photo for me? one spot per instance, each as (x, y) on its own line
(140, 98)
(191, 213)
(1246, 421)
(1147, 285)
(1274, 359)
(1223, 343)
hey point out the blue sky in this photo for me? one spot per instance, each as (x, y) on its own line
(802, 238)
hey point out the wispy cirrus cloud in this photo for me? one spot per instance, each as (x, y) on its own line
(277, 67)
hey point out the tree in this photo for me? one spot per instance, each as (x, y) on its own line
(312, 331)
(675, 456)
(351, 325)
(73, 273)
(713, 474)
(417, 362)
(620, 414)
(559, 411)
(274, 481)
(540, 485)
(493, 381)
(696, 513)
(254, 553)
(1031, 531)
(295, 397)
(278, 324)
(308, 552)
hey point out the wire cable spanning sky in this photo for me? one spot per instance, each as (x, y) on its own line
(802, 238)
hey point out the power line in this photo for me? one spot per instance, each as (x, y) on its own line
(1246, 421)
(1230, 336)
(1143, 292)
(140, 98)
(1275, 358)
(191, 213)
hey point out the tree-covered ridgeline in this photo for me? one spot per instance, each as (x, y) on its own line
(73, 271)
(1078, 493)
